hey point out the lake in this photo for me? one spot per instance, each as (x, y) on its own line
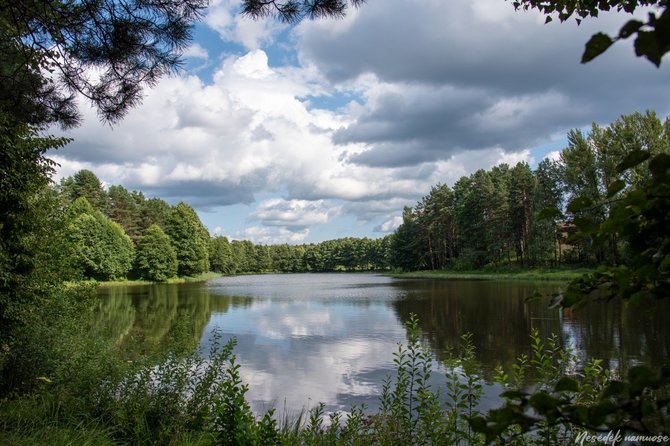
(310, 338)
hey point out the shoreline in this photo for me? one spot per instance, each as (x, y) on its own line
(135, 282)
(524, 275)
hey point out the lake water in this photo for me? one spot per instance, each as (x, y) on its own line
(310, 338)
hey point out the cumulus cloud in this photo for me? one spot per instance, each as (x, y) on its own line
(462, 76)
(196, 51)
(389, 225)
(265, 235)
(223, 16)
(369, 118)
(293, 213)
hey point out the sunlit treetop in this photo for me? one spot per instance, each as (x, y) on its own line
(293, 11)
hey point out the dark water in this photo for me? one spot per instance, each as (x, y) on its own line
(309, 338)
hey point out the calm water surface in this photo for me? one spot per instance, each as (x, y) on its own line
(309, 338)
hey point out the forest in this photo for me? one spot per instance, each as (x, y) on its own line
(516, 215)
(117, 234)
(506, 216)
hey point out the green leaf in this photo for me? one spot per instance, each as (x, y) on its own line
(633, 159)
(598, 44)
(660, 167)
(586, 225)
(478, 424)
(566, 384)
(514, 394)
(600, 411)
(630, 28)
(542, 402)
(615, 188)
(646, 45)
(579, 204)
(549, 214)
(640, 377)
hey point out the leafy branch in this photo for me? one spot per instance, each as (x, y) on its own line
(652, 39)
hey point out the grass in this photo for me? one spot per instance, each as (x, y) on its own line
(557, 275)
(127, 282)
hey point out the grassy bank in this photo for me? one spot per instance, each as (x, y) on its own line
(199, 278)
(529, 274)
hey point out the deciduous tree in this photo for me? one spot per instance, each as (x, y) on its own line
(103, 251)
(155, 257)
(190, 240)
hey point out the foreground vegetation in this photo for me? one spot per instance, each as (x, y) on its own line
(163, 400)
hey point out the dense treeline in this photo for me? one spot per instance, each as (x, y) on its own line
(506, 215)
(345, 254)
(118, 234)
(517, 215)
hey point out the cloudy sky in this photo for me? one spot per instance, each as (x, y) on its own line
(327, 129)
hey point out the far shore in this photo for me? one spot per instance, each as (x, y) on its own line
(558, 275)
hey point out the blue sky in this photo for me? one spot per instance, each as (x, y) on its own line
(328, 129)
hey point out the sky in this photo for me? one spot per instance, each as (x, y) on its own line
(327, 129)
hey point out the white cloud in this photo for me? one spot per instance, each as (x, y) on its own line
(223, 16)
(390, 225)
(265, 235)
(293, 213)
(196, 51)
(411, 112)
(554, 155)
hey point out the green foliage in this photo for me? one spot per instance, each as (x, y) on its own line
(85, 184)
(154, 211)
(160, 399)
(407, 248)
(464, 391)
(514, 215)
(346, 254)
(489, 218)
(155, 258)
(640, 218)
(234, 423)
(46, 334)
(183, 397)
(125, 209)
(651, 40)
(30, 261)
(292, 11)
(49, 48)
(220, 256)
(574, 407)
(102, 250)
(190, 240)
